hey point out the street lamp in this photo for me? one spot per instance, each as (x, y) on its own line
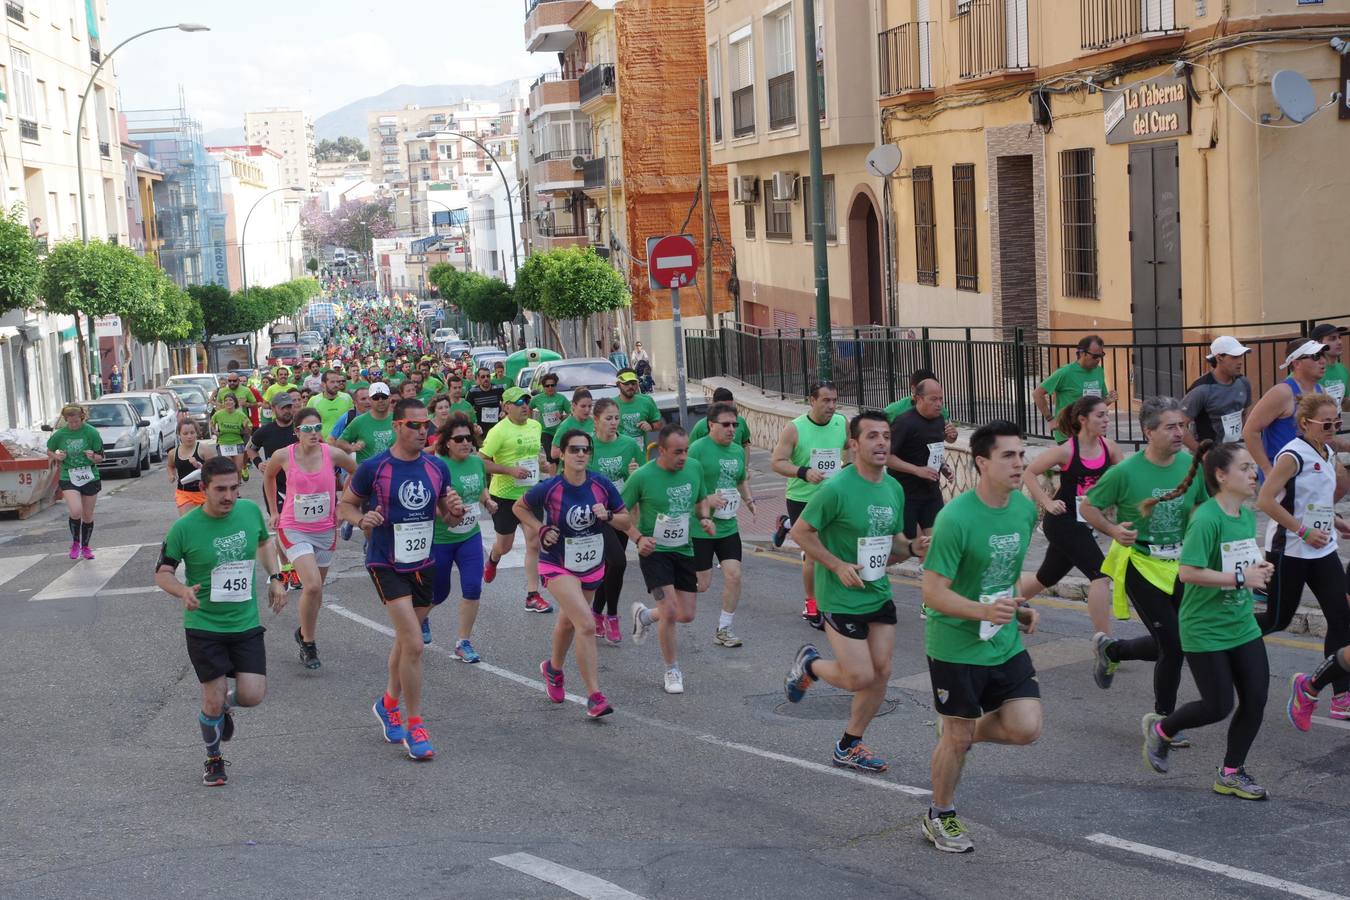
(243, 235)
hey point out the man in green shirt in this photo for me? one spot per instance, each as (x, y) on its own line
(1082, 378)
(1336, 376)
(550, 408)
(984, 684)
(454, 387)
(241, 393)
(701, 430)
(669, 497)
(512, 453)
(219, 543)
(372, 433)
(333, 403)
(638, 414)
(726, 479)
(906, 403)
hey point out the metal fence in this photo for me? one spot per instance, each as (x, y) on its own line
(987, 373)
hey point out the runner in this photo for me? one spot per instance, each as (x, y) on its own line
(919, 440)
(454, 386)
(853, 542)
(1081, 461)
(511, 452)
(184, 468)
(271, 438)
(664, 493)
(1303, 689)
(243, 395)
(1270, 425)
(334, 403)
(1217, 400)
(551, 408)
(360, 406)
(566, 515)
(726, 478)
(638, 414)
(1146, 542)
(219, 543)
(499, 379)
(1082, 378)
(700, 431)
(486, 400)
(461, 544)
(406, 491)
(811, 448)
(984, 684)
(1220, 566)
(77, 448)
(372, 433)
(1299, 496)
(616, 457)
(306, 527)
(581, 417)
(232, 429)
(1336, 377)
(894, 410)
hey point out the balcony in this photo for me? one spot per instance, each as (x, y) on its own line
(14, 10)
(602, 173)
(28, 130)
(782, 100)
(904, 59)
(596, 84)
(104, 150)
(992, 35)
(554, 171)
(547, 27)
(95, 55)
(1105, 23)
(554, 91)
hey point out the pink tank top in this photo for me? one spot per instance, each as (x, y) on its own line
(311, 497)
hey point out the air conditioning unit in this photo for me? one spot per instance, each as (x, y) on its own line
(593, 216)
(578, 163)
(784, 186)
(745, 189)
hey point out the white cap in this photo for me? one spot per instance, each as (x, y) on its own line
(379, 387)
(1228, 346)
(1308, 348)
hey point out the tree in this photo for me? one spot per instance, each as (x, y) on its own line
(486, 299)
(342, 148)
(571, 283)
(20, 269)
(312, 265)
(173, 317)
(218, 309)
(353, 225)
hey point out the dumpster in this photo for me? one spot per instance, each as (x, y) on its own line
(531, 356)
(26, 482)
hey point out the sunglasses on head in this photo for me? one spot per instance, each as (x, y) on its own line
(415, 425)
(310, 428)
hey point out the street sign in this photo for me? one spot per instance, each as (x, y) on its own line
(672, 261)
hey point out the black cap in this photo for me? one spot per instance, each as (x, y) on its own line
(1327, 328)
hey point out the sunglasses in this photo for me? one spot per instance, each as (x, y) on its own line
(310, 428)
(731, 424)
(1094, 355)
(1331, 425)
(461, 438)
(579, 450)
(419, 425)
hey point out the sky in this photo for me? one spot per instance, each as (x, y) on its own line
(315, 54)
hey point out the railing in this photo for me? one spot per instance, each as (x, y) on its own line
(14, 10)
(549, 229)
(104, 150)
(95, 56)
(593, 173)
(993, 37)
(553, 76)
(903, 60)
(1107, 22)
(987, 373)
(546, 155)
(531, 4)
(28, 130)
(743, 112)
(783, 100)
(595, 82)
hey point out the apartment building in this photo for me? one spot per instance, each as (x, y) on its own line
(254, 196)
(1114, 163)
(760, 66)
(290, 133)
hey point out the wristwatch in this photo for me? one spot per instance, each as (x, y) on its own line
(277, 577)
(1239, 579)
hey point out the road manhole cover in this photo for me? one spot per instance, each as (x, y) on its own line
(825, 704)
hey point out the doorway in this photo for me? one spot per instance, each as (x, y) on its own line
(1016, 245)
(1155, 269)
(864, 261)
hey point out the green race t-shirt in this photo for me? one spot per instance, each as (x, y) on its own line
(230, 426)
(467, 478)
(330, 411)
(74, 443)
(587, 426)
(611, 460)
(377, 433)
(354, 386)
(642, 408)
(552, 410)
(464, 406)
(723, 470)
(1069, 382)
(1218, 618)
(904, 405)
(207, 545)
(277, 389)
(1334, 381)
(819, 447)
(740, 437)
(670, 495)
(508, 444)
(857, 532)
(1135, 479)
(433, 384)
(981, 549)
(241, 393)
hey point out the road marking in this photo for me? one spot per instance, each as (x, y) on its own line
(1334, 723)
(18, 565)
(536, 684)
(87, 578)
(1195, 862)
(570, 880)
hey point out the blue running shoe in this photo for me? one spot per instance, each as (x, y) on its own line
(857, 756)
(391, 720)
(346, 531)
(465, 653)
(426, 631)
(418, 744)
(798, 678)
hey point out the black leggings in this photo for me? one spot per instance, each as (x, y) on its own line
(1163, 643)
(1244, 668)
(616, 563)
(1327, 581)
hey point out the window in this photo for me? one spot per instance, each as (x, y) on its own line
(742, 83)
(715, 91)
(63, 100)
(749, 221)
(777, 215)
(1078, 222)
(925, 227)
(24, 101)
(963, 203)
(779, 66)
(831, 220)
(44, 103)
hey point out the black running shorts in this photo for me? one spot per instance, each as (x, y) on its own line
(724, 548)
(216, 654)
(858, 625)
(504, 520)
(967, 691)
(660, 570)
(391, 584)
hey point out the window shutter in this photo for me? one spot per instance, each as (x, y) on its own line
(1015, 15)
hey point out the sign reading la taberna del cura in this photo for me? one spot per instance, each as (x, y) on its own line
(1158, 107)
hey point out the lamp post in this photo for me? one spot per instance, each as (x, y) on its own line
(243, 235)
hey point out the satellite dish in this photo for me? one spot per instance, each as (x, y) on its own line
(884, 160)
(1294, 95)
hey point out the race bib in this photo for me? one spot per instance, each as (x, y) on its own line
(872, 555)
(826, 462)
(530, 465)
(1235, 556)
(936, 451)
(312, 507)
(1165, 551)
(490, 414)
(467, 525)
(1092, 390)
(230, 449)
(552, 418)
(81, 476)
(619, 483)
(581, 554)
(1232, 426)
(671, 531)
(1336, 391)
(412, 542)
(733, 504)
(1323, 518)
(989, 629)
(232, 582)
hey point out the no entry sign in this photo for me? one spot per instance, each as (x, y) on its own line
(672, 261)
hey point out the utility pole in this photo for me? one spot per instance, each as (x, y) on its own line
(824, 357)
(708, 285)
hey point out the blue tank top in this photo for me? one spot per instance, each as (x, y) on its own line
(1280, 432)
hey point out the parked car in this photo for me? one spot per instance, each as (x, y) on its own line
(197, 403)
(126, 436)
(155, 408)
(176, 405)
(455, 347)
(442, 335)
(600, 377)
(206, 381)
(523, 379)
(486, 355)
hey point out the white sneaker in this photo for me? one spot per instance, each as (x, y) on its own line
(674, 681)
(640, 630)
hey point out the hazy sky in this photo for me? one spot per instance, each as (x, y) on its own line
(315, 54)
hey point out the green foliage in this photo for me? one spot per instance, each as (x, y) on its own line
(571, 283)
(20, 270)
(174, 316)
(312, 265)
(530, 281)
(217, 307)
(484, 299)
(342, 148)
(226, 313)
(447, 280)
(97, 279)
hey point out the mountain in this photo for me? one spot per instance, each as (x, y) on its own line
(351, 119)
(224, 137)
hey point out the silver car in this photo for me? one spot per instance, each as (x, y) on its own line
(156, 409)
(126, 436)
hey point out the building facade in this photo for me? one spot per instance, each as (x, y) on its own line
(290, 133)
(254, 196)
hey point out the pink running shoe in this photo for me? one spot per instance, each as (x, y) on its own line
(1340, 706)
(599, 624)
(597, 706)
(86, 552)
(612, 632)
(553, 682)
(75, 550)
(1302, 702)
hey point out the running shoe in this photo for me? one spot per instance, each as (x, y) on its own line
(75, 550)
(346, 531)
(391, 720)
(490, 569)
(812, 615)
(727, 638)
(244, 474)
(1340, 706)
(1155, 747)
(640, 630)
(946, 832)
(535, 603)
(426, 631)
(1302, 702)
(86, 552)
(418, 743)
(1180, 741)
(553, 682)
(859, 757)
(780, 533)
(214, 773)
(612, 633)
(597, 706)
(798, 679)
(1240, 785)
(227, 727)
(599, 623)
(309, 652)
(1103, 669)
(465, 653)
(674, 681)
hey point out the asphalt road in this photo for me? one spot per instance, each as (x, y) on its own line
(726, 791)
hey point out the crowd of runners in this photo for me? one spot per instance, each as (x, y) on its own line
(380, 441)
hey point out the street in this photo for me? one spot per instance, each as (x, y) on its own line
(726, 791)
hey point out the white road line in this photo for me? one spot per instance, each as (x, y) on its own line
(536, 684)
(17, 565)
(570, 880)
(1333, 723)
(1195, 862)
(87, 578)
